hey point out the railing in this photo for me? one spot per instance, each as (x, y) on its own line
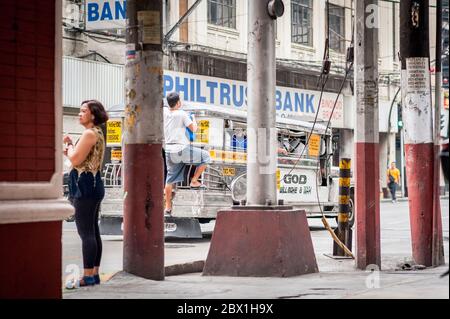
(113, 175)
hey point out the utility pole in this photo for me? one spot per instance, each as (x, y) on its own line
(261, 132)
(418, 123)
(438, 244)
(261, 239)
(143, 239)
(367, 196)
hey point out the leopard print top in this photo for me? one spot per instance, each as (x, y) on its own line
(94, 160)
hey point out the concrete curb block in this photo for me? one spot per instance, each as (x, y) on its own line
(186, 268)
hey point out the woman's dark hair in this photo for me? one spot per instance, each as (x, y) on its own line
(97, 110)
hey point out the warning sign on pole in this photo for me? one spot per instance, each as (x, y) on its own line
(114, 133)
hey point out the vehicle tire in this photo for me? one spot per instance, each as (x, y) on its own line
(351, 214)
(351, 217)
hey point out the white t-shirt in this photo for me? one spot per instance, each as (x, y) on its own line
(175, 123)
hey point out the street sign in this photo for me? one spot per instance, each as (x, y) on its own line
(114, 133)
(116, 155)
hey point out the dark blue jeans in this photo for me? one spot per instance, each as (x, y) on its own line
(393, 189)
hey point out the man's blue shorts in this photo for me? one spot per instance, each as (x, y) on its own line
(176, 162)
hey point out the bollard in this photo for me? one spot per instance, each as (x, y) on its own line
(343, 231)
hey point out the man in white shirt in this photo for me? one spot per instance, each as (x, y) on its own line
(179, 151)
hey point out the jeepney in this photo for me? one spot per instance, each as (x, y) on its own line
(305, 176)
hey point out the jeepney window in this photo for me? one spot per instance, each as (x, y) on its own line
(293, 142)
(236, 137)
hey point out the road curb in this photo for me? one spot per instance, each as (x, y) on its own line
(405, 199)
(186, 268)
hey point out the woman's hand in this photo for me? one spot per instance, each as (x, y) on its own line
(67, 140)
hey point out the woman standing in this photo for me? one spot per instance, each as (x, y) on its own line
(86, 189)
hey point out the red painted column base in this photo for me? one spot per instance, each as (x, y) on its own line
(143, 222)
(31, 265)
(367, 204)
(261, 243)
(420, 175)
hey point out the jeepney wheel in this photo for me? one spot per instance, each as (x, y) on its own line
(351, 213)
(239, 188)
(351, 217)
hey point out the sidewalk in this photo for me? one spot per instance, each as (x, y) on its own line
(337, 279)
(405, 199)
(349, 284)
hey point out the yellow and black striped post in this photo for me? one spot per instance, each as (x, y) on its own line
(343, 231)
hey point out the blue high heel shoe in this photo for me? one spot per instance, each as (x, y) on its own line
(87, 281)
(97, 279)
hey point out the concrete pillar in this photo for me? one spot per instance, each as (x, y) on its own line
(426, 227)
(367, 137)
(143, 234)
(31, 207)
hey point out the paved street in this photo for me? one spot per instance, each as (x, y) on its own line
(337, 278)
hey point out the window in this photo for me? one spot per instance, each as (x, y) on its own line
(301, 20)
(222, 13)
(337, 28)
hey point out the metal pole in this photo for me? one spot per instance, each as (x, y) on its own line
(143, 234)
(418, 124)
(389, 127)
(367, 136)
(438, 245)
(402, 156)
(261, 132)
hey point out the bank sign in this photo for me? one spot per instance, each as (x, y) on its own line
(105, 14)
(289, 102)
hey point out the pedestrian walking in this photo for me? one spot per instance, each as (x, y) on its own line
(86, 189)
(393, 180)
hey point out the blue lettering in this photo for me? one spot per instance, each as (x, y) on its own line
(200, 98)
(238, 102)
(279, 104)
(212, 86)
(121, 10)
(299, 100)
(287, 102)
(106, 12)
(310, 103)
(182, 87)
(225, 93)
(192, 87)
(93, 12)
(168, 85)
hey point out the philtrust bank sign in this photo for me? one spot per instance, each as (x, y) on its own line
(289, 102)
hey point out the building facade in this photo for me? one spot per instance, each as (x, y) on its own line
(211, 46)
